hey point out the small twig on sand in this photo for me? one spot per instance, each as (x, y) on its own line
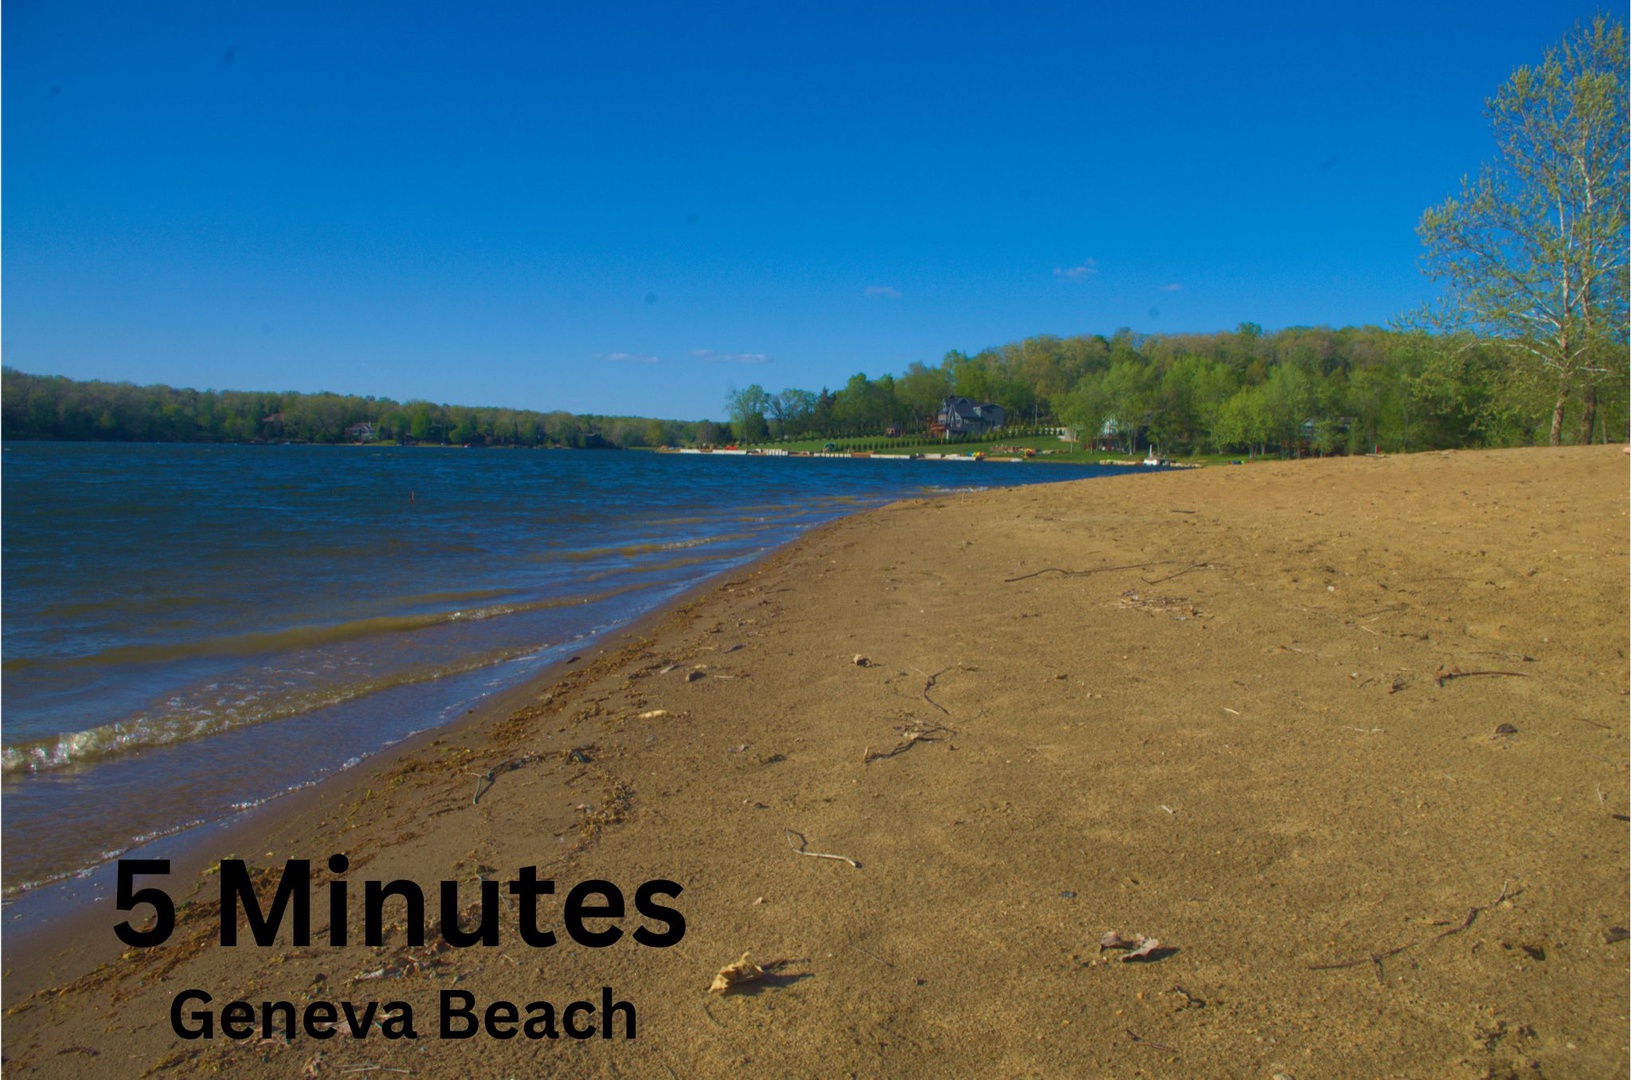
(930, 686)
(1095, 570)
(1378, 957)
(799, 850)
(1472, 913)
(1373, 958)
(912, 738)
(1181, 573)
(1442, 676)
(875, 956)
(1152, 1045)
(490, 777)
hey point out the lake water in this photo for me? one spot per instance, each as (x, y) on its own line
(190, 631)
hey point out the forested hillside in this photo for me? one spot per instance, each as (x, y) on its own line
(1300, 390)
(40, 407)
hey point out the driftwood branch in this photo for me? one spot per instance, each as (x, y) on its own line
(1373, 958)
(929, 685)
(1186, 570)
(490, 777)
(1376, 958)
(1442, 676)
(1095, 570)
(1137, 1041)
(799, 849)
(910, 738)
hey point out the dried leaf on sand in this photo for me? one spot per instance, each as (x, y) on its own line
(1142, 948)
(741, 972)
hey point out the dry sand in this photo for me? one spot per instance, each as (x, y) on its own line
(1200, 706)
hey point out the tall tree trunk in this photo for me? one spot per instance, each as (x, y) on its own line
(1588, 418)
(1557, 415)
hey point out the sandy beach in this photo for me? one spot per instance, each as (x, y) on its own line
(1347, 737)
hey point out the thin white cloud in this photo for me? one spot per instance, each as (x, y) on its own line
(1085, 268)
(1174, 287)
(711, 357)
(885, 292)
(627, 358)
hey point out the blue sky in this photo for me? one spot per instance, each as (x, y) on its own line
(628, 209)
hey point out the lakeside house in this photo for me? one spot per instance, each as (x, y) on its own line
(960, 416)
(361, 432)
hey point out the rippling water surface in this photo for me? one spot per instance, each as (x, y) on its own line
(192, 630)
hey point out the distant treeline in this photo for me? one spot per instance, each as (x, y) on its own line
(53, 407)
(1301, 390)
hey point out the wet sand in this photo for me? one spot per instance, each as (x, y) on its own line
(1349, 737)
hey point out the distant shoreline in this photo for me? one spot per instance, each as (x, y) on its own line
(889, 455)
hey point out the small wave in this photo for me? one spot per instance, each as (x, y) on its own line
(147, 731)
(295, 638)
(648, 568)
(463, 596)
(250, 804)
(632, 551)
(14, 889)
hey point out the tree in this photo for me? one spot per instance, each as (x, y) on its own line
(1290, 397)
(1085, 409)
(1533, 251)
(922, 389)
(1245, 420)
(747, 409)
(1129, 387)
(791, 409)
(862, 407)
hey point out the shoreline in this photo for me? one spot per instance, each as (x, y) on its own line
(1230, 709)
(73, 943)
(996, 457)
(57, 848)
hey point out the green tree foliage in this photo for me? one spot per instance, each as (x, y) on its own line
(791, 412)
(1245, 421)
(52, 407)
(1296, 391)
(921, 390)
(1084, 409)
(747, 409)
(1129, 389)
(1533, 252)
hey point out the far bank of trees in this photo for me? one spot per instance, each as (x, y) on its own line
(1303, 390)
(52, 407)
(1300, 390)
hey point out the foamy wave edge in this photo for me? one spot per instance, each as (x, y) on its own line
(76, 748)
